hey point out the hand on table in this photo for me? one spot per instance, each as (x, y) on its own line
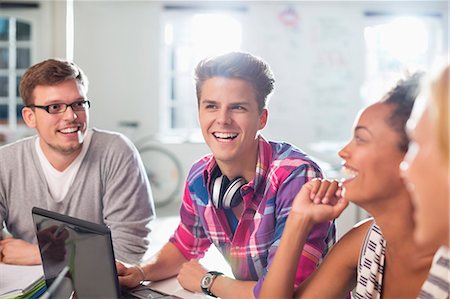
(190, 275)
(19, 252)
(129, 276)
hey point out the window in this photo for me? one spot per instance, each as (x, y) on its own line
(396, 44)
(191, 34)
(388, 56)
(15, 58)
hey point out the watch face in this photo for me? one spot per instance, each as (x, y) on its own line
(206, 281)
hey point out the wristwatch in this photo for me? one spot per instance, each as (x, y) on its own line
(207, 281)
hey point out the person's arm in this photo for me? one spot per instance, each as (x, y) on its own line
(306, 211)
(337, 274)
(318, 240)
(164, 264)
(192, 272)
(189, 241)
(127, 200)
(19, 252)
(12, 250)
(229, 288)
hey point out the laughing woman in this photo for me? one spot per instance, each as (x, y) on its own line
(378, 257)
(426, 168)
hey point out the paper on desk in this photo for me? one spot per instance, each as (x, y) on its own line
(172, 286)
(16, 279)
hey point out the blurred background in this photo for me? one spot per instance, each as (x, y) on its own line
(330, 59)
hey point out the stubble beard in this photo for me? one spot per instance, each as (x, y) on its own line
(66, 150)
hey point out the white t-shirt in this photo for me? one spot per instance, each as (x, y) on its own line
(59, 182)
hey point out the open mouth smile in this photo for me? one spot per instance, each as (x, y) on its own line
(225, 136)
(69, 130)
(348, 173)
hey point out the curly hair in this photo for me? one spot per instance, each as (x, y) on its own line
(402, 96)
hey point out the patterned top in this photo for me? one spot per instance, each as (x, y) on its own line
(281, 170)
(437, 284)
(371, 265)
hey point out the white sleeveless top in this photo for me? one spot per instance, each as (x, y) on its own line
(371, 265)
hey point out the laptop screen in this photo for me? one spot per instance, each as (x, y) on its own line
(84, 247)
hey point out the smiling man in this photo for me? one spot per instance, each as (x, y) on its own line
(71, 169)
(238, 197)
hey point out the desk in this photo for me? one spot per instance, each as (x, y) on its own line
(172, 287)
(168, 286)
(213, 260)
(162, 229)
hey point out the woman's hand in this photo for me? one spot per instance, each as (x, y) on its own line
(319, 200)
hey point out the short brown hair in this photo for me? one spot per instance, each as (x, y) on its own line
(49, 72)
(237, 65)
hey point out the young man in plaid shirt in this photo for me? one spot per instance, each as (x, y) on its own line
(238, 197)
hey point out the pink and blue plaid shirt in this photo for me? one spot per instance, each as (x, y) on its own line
(281, 171)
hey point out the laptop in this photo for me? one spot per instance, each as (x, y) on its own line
(78, 257)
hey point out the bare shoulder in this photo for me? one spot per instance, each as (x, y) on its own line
(352, 241)
(363, 226)
(358, 232)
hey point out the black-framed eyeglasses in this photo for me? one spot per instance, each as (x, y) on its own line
(56, 108)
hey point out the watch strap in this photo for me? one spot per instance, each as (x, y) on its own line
(207, 291)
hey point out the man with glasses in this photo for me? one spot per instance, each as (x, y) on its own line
(69, 168)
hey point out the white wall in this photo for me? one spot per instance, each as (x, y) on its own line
(117, 43)
(318, 68)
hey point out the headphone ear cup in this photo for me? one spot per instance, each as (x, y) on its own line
(215, 191)
(232, 196)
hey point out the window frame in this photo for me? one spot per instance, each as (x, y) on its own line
(169, 102)
(13, 121)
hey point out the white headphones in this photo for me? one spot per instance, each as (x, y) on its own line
(226, 194)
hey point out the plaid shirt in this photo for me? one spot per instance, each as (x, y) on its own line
(281, 171)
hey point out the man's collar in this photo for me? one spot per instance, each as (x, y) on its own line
(261, 168)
